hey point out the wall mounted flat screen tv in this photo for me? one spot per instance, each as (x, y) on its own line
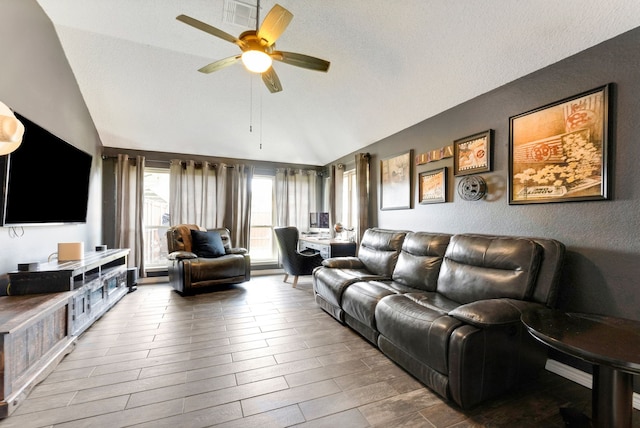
(45, 181)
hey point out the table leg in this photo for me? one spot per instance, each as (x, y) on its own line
(612, 398)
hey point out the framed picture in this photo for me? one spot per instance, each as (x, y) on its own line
(559, 152)
(472, 154)
(433, 186)
(395, 182)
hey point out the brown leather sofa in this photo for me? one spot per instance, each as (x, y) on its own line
(447, 308)
(190, 273)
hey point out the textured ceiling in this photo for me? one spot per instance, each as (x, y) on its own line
(393, 64)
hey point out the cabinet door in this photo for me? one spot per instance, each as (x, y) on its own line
(81, 307)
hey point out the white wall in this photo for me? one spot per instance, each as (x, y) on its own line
(37, 82)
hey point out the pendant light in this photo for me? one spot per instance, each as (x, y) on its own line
(11, 130)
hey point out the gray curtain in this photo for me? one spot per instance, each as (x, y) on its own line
(362, 193)
(212, 196)
(335, 197)
(296, 196)
(240, 204)
(129, 209)
(195, 191)
(332, 198)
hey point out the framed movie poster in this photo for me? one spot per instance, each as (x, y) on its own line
(395, 182)
(433, 186)
(559, 152)
(472, 154)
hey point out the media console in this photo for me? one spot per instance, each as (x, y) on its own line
(46, 310)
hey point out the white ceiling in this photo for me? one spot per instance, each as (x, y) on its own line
(393, 64)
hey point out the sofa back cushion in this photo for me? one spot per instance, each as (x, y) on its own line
(550, 272)
(179, 237)
(419, 261)
(207, 244)
(379, 250)
(225, 235)
(477, 267)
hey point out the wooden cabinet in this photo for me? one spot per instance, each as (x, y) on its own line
(56, 276)
(45, 312)
(328, 247)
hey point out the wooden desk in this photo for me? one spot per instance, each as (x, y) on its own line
(328, 247)
(612, 345)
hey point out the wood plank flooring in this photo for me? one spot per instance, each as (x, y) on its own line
(259, 354)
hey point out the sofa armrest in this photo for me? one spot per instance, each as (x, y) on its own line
(349, 262)
(493, 312)
(238, 250)
(181, 255)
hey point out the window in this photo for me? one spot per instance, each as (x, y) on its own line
(262, 245)
(156, 218)
(349, 199)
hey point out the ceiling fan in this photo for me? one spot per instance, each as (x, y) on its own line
(258, 47)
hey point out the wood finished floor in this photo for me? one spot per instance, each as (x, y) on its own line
(259, 354)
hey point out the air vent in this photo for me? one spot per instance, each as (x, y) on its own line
(239, 13)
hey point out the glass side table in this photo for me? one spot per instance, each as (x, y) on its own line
(611, 345)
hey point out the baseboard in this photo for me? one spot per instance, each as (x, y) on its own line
(152, 280)
(580, 377)
(262, 272)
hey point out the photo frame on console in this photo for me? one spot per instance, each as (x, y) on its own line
(433, 186)
(395, 181)
(559, 152)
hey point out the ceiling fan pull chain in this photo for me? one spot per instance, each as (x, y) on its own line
(258, 16)
(260, 119)
(250, 103)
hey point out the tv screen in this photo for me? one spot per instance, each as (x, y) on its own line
(45, 181)
(319, 220)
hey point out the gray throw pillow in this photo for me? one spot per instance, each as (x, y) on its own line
(207, 244)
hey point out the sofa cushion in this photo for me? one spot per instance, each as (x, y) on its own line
(359, 300)
(479, 267)
(207, 244)
(379, 250)
(419, 261)
(434, 301)
(330, 283)
(421, 332)
(204, 272)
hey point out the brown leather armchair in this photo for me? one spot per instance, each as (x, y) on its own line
(190, 273)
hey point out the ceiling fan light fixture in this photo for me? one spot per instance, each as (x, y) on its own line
(256, 61)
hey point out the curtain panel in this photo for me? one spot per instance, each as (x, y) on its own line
(240, 200)
(296, 196)
(338, 184)
(212, 196)
(129, 209)
(362, 193)
(196, 193)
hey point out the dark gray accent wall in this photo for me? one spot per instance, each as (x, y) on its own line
(602, 273)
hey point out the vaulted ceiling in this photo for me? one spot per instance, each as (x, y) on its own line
(393, 64)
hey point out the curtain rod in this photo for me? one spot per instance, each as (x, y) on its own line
(167, 162)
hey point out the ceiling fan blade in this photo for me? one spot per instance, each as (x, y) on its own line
(300, 60)
(274, 24)
(210, 29)
(217, 65)
(271, 80)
